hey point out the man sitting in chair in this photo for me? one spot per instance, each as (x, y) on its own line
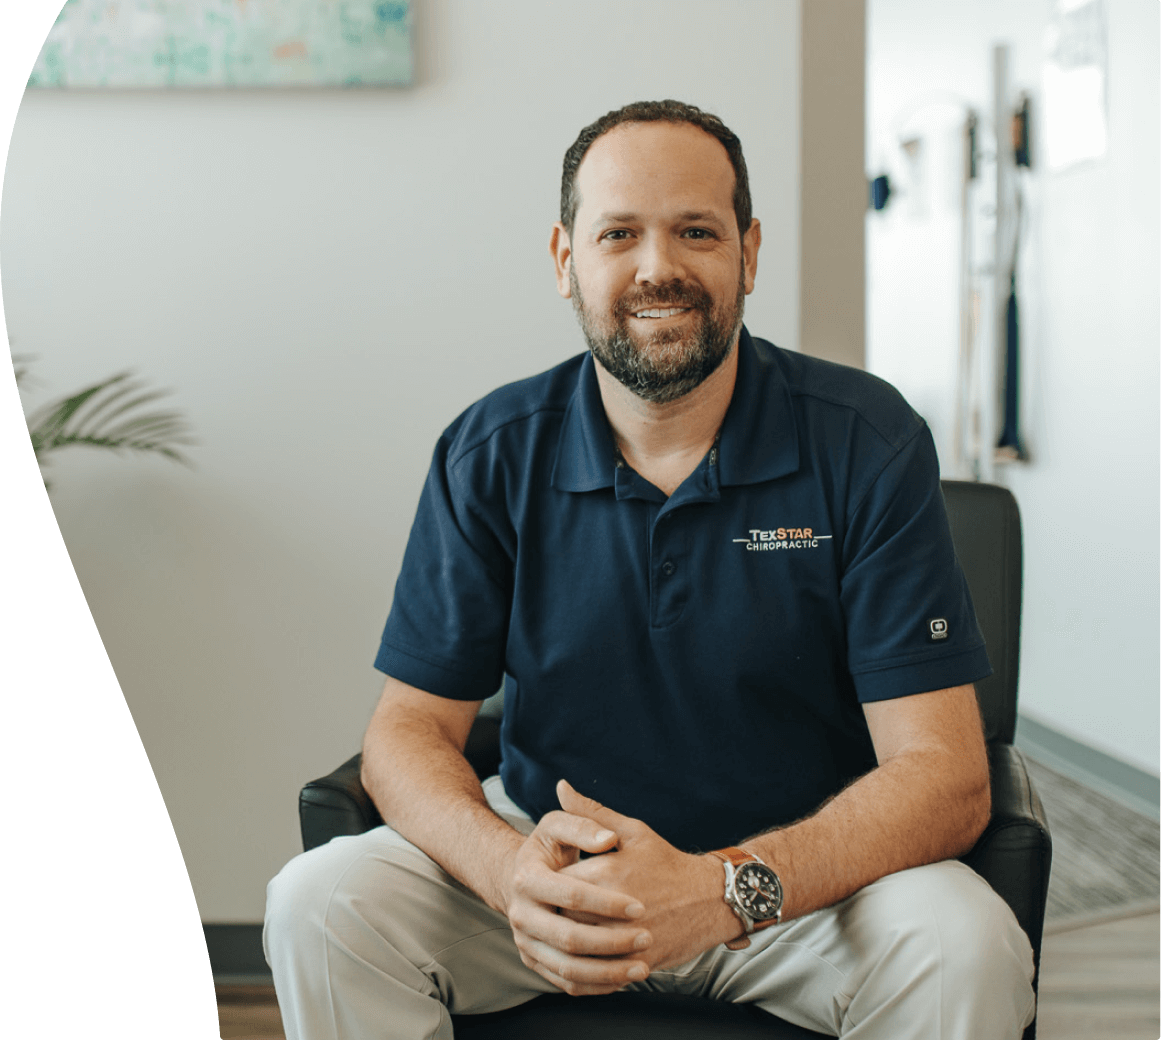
(741, 748)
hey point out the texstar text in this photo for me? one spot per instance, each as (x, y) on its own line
(781, 534)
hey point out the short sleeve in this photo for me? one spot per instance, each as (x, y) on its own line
(911, 627)
(447, 628)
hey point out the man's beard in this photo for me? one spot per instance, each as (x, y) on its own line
(667, 364)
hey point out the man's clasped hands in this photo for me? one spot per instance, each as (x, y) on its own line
(634, 905)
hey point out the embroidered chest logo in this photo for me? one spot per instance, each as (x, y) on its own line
(781, 538)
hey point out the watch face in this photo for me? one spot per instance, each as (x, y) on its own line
(758, 891)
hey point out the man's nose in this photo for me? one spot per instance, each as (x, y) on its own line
(659, 261)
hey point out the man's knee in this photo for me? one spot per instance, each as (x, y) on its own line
(943, 928)
(944, 912)
(374, 891)
(334, 887)
(300, 896)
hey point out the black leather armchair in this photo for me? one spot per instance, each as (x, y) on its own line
(1014, 853)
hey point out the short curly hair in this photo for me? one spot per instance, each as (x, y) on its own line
(655, 112)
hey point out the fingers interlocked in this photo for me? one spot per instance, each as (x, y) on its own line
(594, 954)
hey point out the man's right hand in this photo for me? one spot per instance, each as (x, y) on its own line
(415, 771)
(592, 950)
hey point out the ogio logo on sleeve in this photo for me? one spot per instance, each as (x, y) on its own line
(938, 628)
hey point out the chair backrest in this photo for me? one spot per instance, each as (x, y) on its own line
(985, 527)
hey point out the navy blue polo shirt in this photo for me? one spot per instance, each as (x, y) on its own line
(699, 661)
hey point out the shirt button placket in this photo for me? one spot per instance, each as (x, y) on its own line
(668, 575)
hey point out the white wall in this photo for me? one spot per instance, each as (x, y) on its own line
(1090, 332)
(325, 279)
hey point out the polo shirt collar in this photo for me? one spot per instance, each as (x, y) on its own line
(584, 457)
(759, 434)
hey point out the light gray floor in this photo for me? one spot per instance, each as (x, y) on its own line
(1100, 982)
(1104, 856)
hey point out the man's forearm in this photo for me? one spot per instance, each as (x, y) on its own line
(904, 813)
(912, 810)
(415, 771)
(426, 790)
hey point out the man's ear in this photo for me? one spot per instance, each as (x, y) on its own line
(751, 242)
(561, 249)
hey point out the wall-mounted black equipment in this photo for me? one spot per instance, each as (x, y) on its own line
(1021, 134)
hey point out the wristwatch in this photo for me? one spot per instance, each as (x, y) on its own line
(753, 892)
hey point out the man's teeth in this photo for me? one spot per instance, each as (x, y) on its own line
(660, 312)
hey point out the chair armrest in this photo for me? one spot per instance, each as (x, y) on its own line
(336, 804)
(1014, 854)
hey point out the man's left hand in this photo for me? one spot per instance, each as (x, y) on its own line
(685, 911)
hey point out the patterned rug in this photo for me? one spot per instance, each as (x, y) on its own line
(1105, 857)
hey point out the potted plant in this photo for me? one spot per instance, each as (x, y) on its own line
(114, 414)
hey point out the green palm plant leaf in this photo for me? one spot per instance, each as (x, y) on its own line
(110, 414)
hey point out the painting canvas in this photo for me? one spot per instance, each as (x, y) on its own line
(227, 43)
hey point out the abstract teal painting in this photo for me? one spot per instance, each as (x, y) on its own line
(227, 43)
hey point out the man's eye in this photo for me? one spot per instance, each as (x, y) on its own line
(616, 235)
(698, 233)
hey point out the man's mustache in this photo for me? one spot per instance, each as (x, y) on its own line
(674, 295)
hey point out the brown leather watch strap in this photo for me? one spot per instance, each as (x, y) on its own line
(733, 855)
(737, 857)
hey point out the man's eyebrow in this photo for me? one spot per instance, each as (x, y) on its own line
(699, 217)
(614, 218)
(686, 217)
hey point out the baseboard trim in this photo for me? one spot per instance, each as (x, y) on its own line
(236, 956)
(1131, 787)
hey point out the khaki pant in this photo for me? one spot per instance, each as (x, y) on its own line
(368, 937)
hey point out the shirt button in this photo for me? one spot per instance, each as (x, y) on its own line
(668, 567)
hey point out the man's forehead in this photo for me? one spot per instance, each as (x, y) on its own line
(635, 159)
(649, 145)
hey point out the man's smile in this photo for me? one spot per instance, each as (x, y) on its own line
(660, 312)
